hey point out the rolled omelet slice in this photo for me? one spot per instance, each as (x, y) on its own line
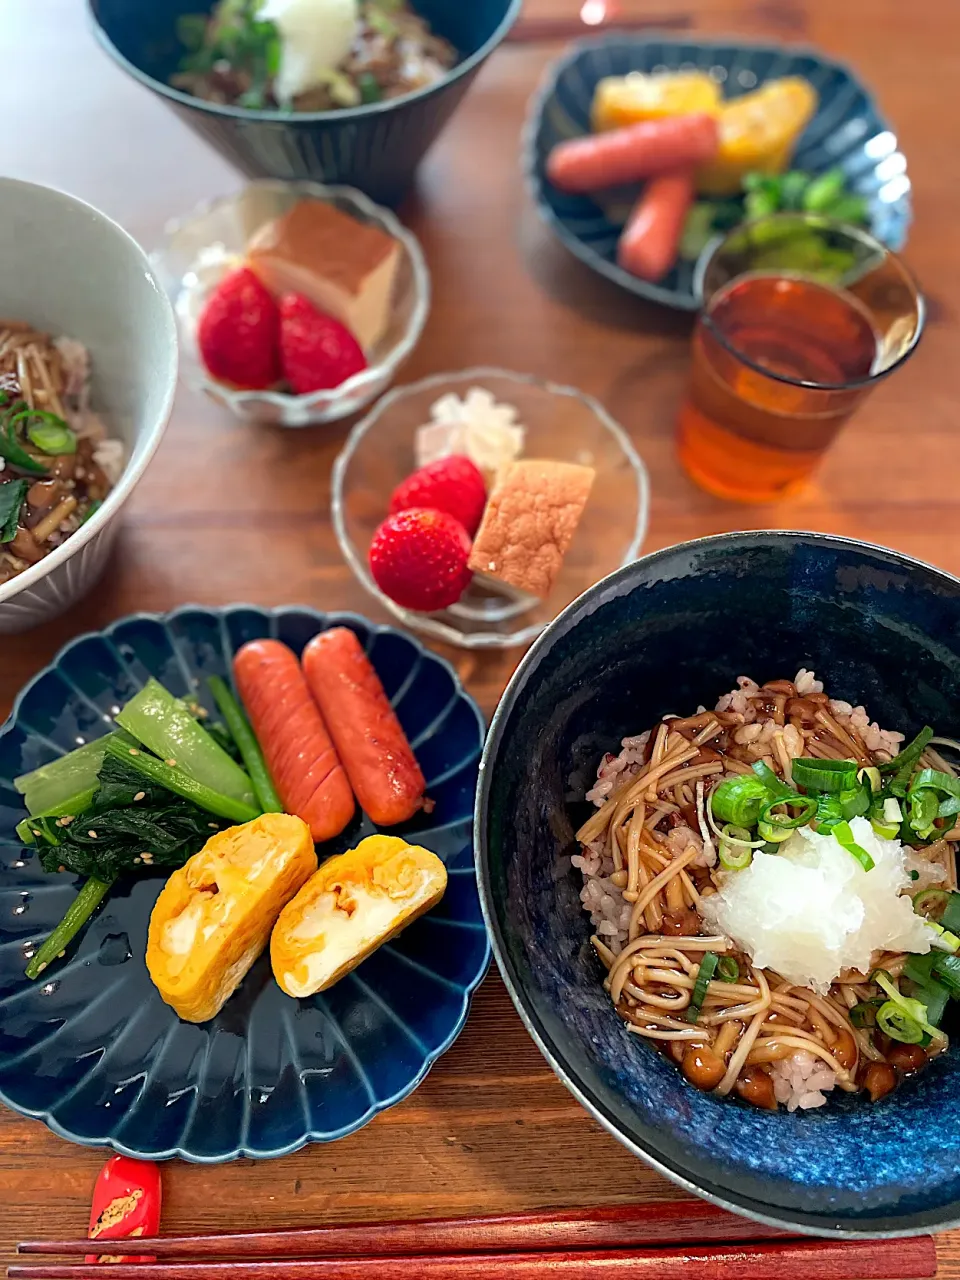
(214, 915)
(355, 903)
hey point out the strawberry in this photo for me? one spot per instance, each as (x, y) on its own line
(317, 352)
(451, 484)
(418, 558)
(239, 332)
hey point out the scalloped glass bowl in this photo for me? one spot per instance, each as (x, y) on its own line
(95, 1053)
(201, 247)
(562, 424)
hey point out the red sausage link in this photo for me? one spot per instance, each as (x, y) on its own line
(648, 247)
(381, 767)
(626, 155)
(300, 756)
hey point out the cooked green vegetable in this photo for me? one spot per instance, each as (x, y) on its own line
(49, 433)
(844, 837)
(902, 1017)
(183, 784)
(13, 494)
(772, 817)
(238, 36)
(708, 967)
(728, 970)
(931, 903)
(165, 726)
(91, 511)
(12, 413)
(53, 787)
(902, 766)
(130, 824)
(775, 786)
(824, 191)
(369, 87)
(740, 800)
(243, 736)
(78, 913)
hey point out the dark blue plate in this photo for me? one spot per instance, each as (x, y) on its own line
(95, 1053)
(666, 634)
(848, 131)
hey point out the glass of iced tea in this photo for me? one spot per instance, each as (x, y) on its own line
(801, 318)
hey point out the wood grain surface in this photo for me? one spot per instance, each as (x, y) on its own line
(229, 513)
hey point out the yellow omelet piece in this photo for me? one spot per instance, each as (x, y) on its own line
(619, 101)
(354, 904)
(214, 915)
(758, 133)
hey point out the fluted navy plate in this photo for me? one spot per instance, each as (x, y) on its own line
(848, 131)
(95, 1053)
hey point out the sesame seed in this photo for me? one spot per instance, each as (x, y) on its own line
(137, 858)
(66, 819)
(215, 825)
(61, 867)
(171, 763)
(61, 955)
(140, 795)
(36, 832)
(40, 968)
(134, 751)
(92, 835)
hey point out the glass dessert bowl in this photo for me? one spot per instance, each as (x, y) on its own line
(560, 425)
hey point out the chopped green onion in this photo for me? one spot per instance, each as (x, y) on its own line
(824, 190)
(369, 87)
(789, 822)
(934, 995)
(902, 766)
(91, 511)
(773, 835)
(947, 969)
(951, 915)
(844, 837)
(739, 800)
(829, 812)
(871, 775)
(51, 434)
(923, 808)
(943, 939)
(736, 847)
(909, 1010)
(886, 830)
(897, 1023)
(864, 1014)
(708, 967)
(856, 803)
(727, 969)
(774, 785)
(930, 903)
(936, 781)
(892, 811)
(920, 968)
(830, 776)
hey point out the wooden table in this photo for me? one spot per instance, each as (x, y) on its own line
(229, 513)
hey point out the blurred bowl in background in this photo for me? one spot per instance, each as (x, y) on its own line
(70, 271)
(561, 424)
(200, 248)
(377, 147)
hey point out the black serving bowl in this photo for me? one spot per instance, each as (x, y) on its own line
(376, 148)
(665, 634)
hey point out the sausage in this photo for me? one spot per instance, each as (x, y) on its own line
(300, 756)
(648, 246)
(382, 768)
(627, 155)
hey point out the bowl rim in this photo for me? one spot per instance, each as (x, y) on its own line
(746, 1206)
(428, 623)
(133, 470)
(296, 119)
(555, 69)
(360, 382)
(332, 617)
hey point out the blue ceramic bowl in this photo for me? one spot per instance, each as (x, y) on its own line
(848, 131)
(376, 148)
(663, 635)
(95, 1053)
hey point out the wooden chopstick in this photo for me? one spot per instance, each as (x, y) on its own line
(912, 1259)
(542, 30)
(688, 1222)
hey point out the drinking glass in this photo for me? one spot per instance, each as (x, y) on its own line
(801, 318)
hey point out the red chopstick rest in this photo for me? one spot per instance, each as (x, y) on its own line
(126, 1202)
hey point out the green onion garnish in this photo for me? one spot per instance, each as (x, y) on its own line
(903, 1018)
(951, 914)
(736, 847)
(51, 434)
(829, 776)
(871, 775)
(708, 967)
(773, 835)
(864, 1014)
(727, 969)
(856, 803)
(943, 939)
(947, 969)
(739, 800)
(902, 766)
(931, 903)
(923, 809)
(91, 511)
(772, 783)
(787, 821)
(920, 968)
(845, 839)
(935, 996)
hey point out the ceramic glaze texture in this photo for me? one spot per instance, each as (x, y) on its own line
(92, 1050)
(376, 148)
(670, 632)
(848, 131)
